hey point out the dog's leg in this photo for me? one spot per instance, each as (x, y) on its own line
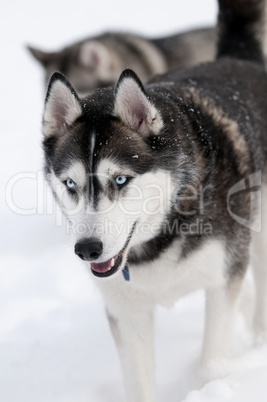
(259, 263)
(220, 312)
(133, 335)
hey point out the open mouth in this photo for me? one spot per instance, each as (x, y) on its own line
(108, 268)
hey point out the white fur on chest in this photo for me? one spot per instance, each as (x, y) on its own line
(166, 279)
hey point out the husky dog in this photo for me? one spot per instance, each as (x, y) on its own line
(165, 179)
(97, 62)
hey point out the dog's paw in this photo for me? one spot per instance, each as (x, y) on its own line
(212, 370)
(211, 391)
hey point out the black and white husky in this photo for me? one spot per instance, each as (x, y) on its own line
(166, 180)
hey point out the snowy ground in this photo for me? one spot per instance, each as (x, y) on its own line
(55, 345)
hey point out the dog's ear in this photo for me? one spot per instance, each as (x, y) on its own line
(62, 106)
(44, 58)
(95, 56)
(133, 107)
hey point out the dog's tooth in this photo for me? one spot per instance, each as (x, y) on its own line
(112, 262)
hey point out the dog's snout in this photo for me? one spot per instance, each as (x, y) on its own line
(89, 249)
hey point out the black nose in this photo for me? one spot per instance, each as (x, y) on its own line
(89, 249)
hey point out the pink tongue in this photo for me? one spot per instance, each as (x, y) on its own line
(102, 266)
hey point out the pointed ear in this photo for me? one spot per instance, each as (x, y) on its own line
(62, 105)
(133, 107)
(95, 56)
(43, 57)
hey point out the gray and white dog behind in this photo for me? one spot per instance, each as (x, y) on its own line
(97, 62)
(166, 181)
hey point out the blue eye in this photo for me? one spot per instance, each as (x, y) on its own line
(70, 184)
(120, 180)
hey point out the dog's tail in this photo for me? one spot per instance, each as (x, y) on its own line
(241, 29)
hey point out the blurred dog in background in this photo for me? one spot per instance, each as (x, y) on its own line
(97, 62)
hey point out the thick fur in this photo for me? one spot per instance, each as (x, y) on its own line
(165, 178)
(98, 61)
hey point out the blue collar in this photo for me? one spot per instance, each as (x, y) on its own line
(126, 273)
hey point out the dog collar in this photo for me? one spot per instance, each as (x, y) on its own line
(126, 273)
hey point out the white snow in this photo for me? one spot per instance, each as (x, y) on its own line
(55, 344)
